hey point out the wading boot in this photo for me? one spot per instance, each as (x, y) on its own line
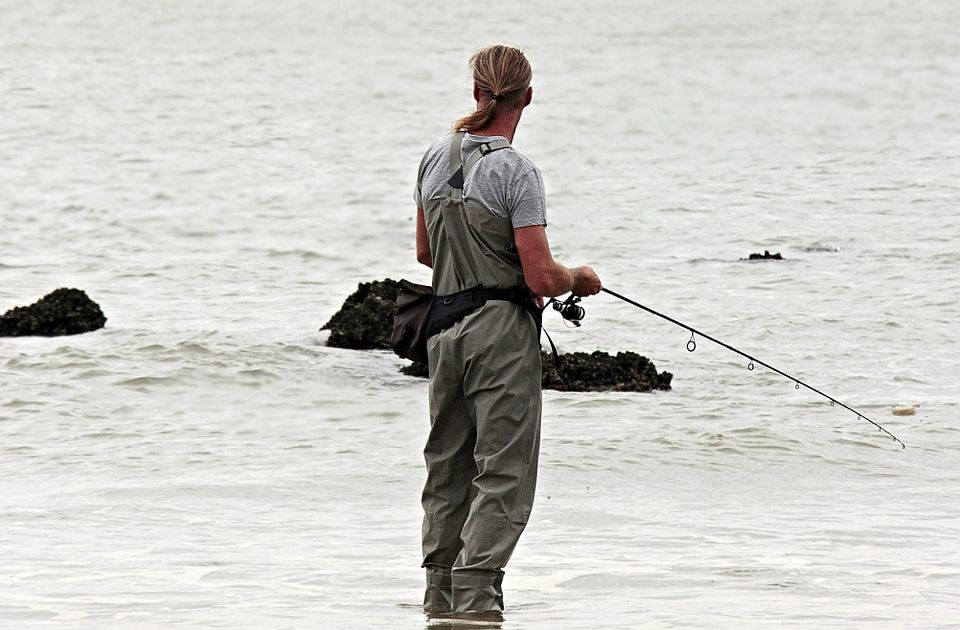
(436, 597)
(477, 595)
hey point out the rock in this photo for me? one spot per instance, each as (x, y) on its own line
(599, 371)
(766, 255)
(416, 369)
(365, 321)
(62, 312)
(591, 372)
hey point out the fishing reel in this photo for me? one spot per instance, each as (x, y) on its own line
(570, 310)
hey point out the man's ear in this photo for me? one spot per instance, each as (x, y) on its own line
(528, 97)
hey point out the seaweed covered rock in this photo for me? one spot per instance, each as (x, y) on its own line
(591, 372)
(365, 320)
(62, 312)
(599, 371)
(416, 369)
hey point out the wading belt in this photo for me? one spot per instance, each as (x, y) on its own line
(447, 310)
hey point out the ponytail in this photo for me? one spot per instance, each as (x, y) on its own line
(502, 72)
(479, 118)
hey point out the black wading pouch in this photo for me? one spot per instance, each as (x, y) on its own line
(449, 309)
(409, 340)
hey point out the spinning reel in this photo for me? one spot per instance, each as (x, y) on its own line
(570, 309)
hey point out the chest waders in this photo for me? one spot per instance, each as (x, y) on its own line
(485, 403)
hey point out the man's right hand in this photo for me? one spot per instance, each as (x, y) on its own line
(585, 281)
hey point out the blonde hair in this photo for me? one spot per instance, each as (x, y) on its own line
(504, 73)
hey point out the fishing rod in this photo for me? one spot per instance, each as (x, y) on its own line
(571, 311)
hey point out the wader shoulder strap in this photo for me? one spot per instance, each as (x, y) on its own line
(484, 149)
(460, 169)
(456, 161)
(456, 167)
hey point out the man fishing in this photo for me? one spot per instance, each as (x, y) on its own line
(481, 218)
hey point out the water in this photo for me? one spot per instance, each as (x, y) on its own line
(219, 176)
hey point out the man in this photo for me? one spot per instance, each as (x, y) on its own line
(481, 218)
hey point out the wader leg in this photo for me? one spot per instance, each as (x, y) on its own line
(502, 386)
(450, 468)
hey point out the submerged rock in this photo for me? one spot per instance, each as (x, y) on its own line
(904, 411)
(766, 255)
(591, 372)
(62, 312)
(599, 371)
(365, 321)
(416, 369)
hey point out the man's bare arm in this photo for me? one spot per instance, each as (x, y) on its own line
(423, 243)
(544, 275)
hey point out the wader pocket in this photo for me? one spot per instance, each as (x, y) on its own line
(409, 339)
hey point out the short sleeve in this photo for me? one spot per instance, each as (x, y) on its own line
(418, 189)
(527, 200)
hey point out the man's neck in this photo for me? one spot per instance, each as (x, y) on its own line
(505, 124)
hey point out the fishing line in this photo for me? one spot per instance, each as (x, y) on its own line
(753, 361)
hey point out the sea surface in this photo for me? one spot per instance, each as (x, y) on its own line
(219, 176)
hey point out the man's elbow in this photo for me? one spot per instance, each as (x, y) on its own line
(424, 258)
(537, 285)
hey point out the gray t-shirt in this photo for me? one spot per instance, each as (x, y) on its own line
(505, 183)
